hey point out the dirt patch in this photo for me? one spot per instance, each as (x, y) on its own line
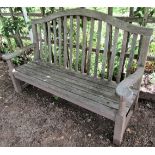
(36, 118)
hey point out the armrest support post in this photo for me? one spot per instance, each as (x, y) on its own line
(123, 89)
(122, 106)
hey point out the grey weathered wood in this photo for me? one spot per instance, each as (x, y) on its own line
(49, 42)
(55, 44)
(97, 47)
(122, 56)
(60, 42)
(131, 57)
(90, 45)
(35, 42)
(65, 41)
(100, 16)
(123, 88)
(84, 44)
(141, 62)
(17, 52)
(120, 122)
(144, 50)
(77, 42)
(40, 42)
(73, 76)
(45, 33)
(106, 42)
(111, 68)
(104, 97)
(76, 99)
(71, 41)
(111, 84)
(16, 82)
(45, 42)
(68, 86)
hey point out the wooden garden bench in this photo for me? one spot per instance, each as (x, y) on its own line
(63, 45)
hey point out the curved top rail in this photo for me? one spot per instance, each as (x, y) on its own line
(99, 16)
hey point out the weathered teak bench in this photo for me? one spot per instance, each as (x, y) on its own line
(57, 44)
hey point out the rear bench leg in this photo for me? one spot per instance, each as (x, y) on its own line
(120, 123)
(16, 82)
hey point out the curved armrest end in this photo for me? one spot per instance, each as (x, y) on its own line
(18, 52)
(123, 88)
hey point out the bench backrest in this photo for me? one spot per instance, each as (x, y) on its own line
(78, 39)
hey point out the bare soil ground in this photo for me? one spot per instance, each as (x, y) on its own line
(36, 118)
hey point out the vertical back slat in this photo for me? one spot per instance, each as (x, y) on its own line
(40, 38)
(71, 41)
(55, 43)
(49, 42)
(65, 41)
(77, 42)
(131, 57)
(122, 55)
(106, 42)
(45, 41)
(45, 33)
(84, 43)
(36, 42)
(90, 45)
(97, 47)
(111, 68)
(60, 38)
(143, 50)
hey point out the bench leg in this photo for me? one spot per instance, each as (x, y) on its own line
(120, 124)
(136, 106)
(137, 86)
(16, 82)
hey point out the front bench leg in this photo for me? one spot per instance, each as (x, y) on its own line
(16, 82)
(120, 123)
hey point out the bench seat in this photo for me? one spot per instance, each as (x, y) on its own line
(93, 94)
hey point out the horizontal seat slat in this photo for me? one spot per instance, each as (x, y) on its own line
(69, 86)
(75, 80)
(83, 88)
(76, 99)
(105, 82)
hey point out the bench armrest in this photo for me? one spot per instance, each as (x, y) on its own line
(17, 53)
(123, 88)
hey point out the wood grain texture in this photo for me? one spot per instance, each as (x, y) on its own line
(60, 39)
(90, 45)
(88, 88)
(144, 50)
(55, 44)
(49, 42)
(84, 44)
(16, 82)
(65, 41)
(77, 42)
(113, 54)
(71, 41)
(122, 56)
(104, 97)
(17, 52)
(123, 88)
(100, 16)
(131, 57)
(40, 42)
(66, 93)
(97, 47)
(35, 42)
(106, 43)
